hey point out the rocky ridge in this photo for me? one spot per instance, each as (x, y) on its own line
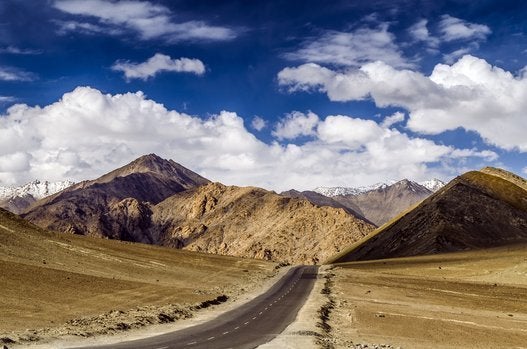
(160, 202)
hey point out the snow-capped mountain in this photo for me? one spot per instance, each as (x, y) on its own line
(336, 191)
(433, 184)
(37, 189)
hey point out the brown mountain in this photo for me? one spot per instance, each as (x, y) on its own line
(322, 200)
(256, 223)
(479, 209)
(108, 205)
(376, 206)
(382, 204)
(160, 202)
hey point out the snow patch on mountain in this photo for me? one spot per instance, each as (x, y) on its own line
(335, 191)
(37, 189)
(433, 184)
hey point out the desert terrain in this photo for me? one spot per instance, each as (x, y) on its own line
(60, 284)
(459, 300)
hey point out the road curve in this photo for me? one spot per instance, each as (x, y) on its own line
(248, 326)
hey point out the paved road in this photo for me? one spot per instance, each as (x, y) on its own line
(254, 323)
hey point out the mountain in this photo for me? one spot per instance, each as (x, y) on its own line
(322, 200)
(106, 206)
(17, 199)
(158, 201)
(340, 191)
(478, 209)
(381, 204)
(433, 184)
(255, 223)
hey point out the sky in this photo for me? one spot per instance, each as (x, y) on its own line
(276, 94)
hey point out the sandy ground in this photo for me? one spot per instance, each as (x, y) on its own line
(461, 300)
(56, 285)
(197, 317)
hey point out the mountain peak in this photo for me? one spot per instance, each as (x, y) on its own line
(152, 163)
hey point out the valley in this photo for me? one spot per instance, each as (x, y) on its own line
(56, 284)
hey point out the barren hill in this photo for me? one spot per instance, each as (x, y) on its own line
(475, 210)
(252, 222)
(105, 207)
(159, 202)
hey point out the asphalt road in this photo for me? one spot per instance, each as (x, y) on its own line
(252, 324)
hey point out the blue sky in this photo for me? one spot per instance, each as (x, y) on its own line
(278, 94)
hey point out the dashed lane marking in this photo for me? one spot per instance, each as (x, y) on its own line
(211, 338)
(226, 332)
(246, 323)
(191, 343)
(237, 327)
(254, 318)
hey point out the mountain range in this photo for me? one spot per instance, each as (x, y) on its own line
(157, 201)
(18, 199)
(479, 209)
(377, 203)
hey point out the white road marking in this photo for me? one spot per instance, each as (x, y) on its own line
(254, 318)
(191, 343)
(237, 327)
(260, 313)
(246, 323)
(226, 332)
(211, 338)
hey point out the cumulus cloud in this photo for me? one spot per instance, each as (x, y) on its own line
(15, 74)
(296, 124)
(87, 133)
(352, 48)
(157, 64)
(469, 94)
(393, 119)
(258, 123)
(453, 28)
(148, 20)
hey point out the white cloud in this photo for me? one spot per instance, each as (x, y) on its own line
(258, 123)
(296, 124)
(148, 20)
(15, 74)
(524, 170)
(420, 33)
(157, 64)
(451, 57)
(352, 48)
(452, 28)
(470, 94)
(19, 51)
(7, 99)
(87, 133)
(393, 119)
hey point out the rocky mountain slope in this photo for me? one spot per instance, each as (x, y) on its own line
(479, 209)
(17, 199)
(382, 204)
(376, 204)
(159, 202)
(105, 207)
(252, 222)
